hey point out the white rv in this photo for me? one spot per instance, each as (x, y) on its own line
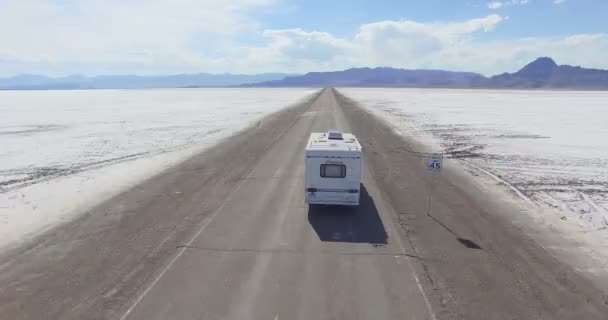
(333, 169)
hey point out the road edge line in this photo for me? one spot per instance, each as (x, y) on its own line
(183, 249)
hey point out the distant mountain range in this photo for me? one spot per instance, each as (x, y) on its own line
(37, 82)
(541, 73)
(377, 77)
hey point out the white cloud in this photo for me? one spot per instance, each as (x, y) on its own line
(115, 32)
(397, 43)
(299, 44)
(495, 5)
(157, 37)
(410, 44)
(558, 1)
(501, 4)
(296, 50)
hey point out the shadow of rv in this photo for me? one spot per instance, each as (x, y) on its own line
(357, 224)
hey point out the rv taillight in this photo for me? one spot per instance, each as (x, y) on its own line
(311, 190)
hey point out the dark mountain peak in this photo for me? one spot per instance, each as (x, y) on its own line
(545, 73)
(539, 68)
(543, 62)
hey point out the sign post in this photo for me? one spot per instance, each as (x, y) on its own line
(434, 165)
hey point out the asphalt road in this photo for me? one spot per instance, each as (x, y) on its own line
(227, 235)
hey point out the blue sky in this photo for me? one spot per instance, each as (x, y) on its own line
(92, 37)
(534, 18)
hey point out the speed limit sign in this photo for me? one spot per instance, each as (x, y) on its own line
(435, 162)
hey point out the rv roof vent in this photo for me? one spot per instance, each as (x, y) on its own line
(334, 135)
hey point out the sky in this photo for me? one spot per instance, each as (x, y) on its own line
(154, 37)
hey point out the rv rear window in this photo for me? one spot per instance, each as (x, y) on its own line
(333, 171)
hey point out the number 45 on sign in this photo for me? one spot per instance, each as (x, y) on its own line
(435, 162)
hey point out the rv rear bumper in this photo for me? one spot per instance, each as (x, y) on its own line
(334, 202)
